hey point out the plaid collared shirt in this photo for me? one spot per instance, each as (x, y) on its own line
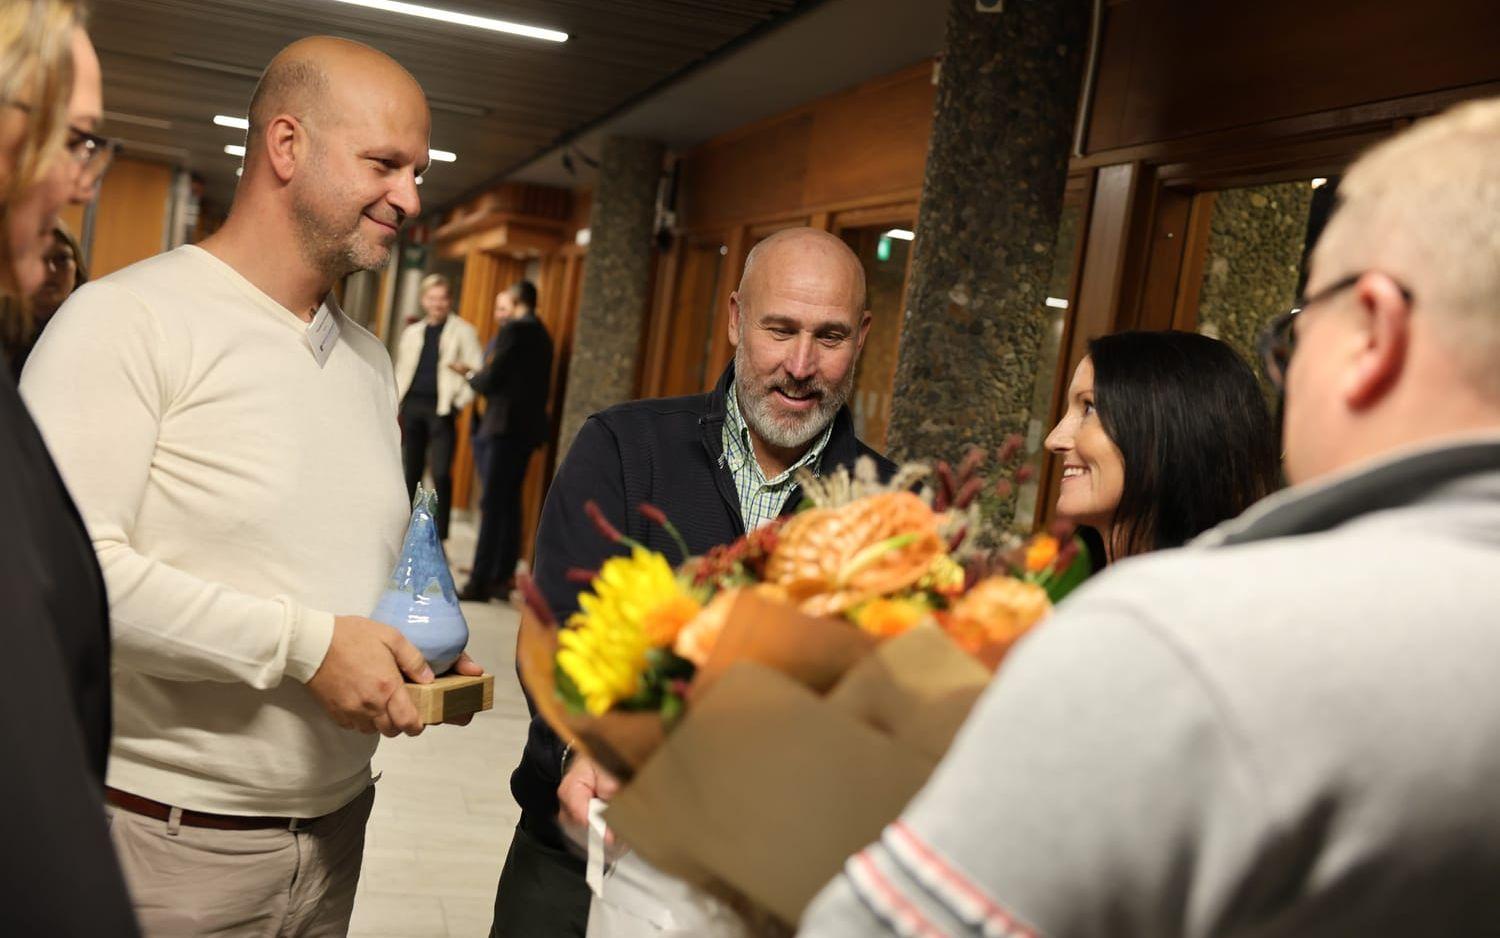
(761, 499)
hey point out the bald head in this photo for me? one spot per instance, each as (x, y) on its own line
(318, 79)
(808, 256)
(797, 324)
(339, 133)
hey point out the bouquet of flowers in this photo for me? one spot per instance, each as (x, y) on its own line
(848, 639)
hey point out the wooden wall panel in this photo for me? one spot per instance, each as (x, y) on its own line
(876, 142)
(130, 220)
(862, 145)
(1175, 68)
(750, 175)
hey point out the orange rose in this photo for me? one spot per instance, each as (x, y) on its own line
(696, 639)
(886, 618)
(1040, 553)
(662, 624)
(1000, 609)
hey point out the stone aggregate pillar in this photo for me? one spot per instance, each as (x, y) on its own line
(614, 300)
(996, 169)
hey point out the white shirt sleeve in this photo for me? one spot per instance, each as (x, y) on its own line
(98, 385)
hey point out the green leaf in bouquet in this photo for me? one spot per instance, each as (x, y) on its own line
(1063, 582)
(671, 708)
(569, 692)
(663, 665)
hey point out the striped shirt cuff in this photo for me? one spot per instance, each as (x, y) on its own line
(917, 893)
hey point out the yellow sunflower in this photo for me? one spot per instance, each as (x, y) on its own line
(603, 650)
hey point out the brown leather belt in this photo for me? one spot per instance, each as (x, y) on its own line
(145, 807)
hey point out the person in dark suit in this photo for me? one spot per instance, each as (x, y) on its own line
(59, 875)
(514, 382)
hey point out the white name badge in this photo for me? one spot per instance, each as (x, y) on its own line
(323, 334)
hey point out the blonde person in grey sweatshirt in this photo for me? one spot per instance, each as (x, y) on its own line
(1292, 726)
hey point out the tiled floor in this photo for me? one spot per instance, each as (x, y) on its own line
(443, 812)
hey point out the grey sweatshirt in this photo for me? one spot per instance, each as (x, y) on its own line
(1291, 727)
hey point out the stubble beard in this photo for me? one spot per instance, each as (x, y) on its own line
(332, 246)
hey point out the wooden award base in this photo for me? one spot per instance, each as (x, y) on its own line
(452, 695)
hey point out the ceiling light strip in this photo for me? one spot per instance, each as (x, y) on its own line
(460, 19)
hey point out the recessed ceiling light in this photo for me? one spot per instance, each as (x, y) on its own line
(460, 19)
(225, 68)
(441, 156)
(457, 107)
(143, 146)
(119, 117)
(227, 120)
(901, 234)
(234, 149)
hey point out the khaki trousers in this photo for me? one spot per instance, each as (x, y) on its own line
(273, 883)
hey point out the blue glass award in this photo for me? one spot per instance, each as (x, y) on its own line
(420, 599)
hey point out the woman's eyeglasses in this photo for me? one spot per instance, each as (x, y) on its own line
(92, 153)
(1279, 339)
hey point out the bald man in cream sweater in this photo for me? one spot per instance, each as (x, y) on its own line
(230, 438)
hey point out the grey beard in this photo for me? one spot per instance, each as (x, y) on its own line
(783, 433)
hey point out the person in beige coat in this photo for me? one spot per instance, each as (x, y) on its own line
(432, 392)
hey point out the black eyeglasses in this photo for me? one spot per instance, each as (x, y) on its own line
(1279, 339)
(92, 153)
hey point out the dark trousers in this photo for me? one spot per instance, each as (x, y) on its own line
(542, 891)
(481, 447)
(500, 512)
(424, 434)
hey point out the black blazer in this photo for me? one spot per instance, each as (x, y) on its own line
(58, 875)
(516, 381)
(667, 452)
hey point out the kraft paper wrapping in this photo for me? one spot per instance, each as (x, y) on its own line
(803, 738)
(766, 789)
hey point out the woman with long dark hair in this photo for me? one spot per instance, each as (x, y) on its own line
(1166, 435)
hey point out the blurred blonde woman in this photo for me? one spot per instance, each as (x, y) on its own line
(59, 875)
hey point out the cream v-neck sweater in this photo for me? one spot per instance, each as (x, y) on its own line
(239, 496)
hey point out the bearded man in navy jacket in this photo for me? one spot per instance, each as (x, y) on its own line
(719, 464)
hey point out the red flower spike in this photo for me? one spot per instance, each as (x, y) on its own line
(946, 486)
(653, 514)
(535, 601)
(957, 539)
(596, 515)
(1003, 488)
(968, 493)
(1011, 447)
(580, 575)
(971, 463)
(1065, 557)
(973, 573)
(1025, 474)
